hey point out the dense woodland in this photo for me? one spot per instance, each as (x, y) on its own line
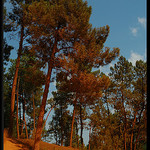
(58, 44)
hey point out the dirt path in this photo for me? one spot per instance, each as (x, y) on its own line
(10, 144)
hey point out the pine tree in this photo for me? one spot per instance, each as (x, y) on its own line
(140, 103)
(15, 20)
(55, 27)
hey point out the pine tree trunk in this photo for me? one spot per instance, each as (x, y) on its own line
(81, 126)
(131, 142)
(33, 111)
(14, 83)
(24, 119)
(20, 116)
(137, 139)
(61, 124)
(125, 122)
(77, 134)
(45, 94)
(73, 122)
(108, 112)
(47, 116)
(25, 127)
(17, 110)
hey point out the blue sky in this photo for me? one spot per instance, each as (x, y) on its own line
(127, 21)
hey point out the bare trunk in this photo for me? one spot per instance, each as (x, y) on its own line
(26, 127)
(73, 122)
(33, 111)
(47, 116)
(136, 139)
(61, 125)
(108, 112)
(20, 116)
(125, 122)
(131, 142)
(81, 126)
(24, 119)
(17, 110)
(77, 134)
(42, 108)
(14, 83)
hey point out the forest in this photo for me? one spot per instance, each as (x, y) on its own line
(58, 44)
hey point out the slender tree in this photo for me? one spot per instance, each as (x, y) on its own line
(16, 18)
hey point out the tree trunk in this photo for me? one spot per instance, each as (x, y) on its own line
(108, 112)
(42, 107)
(137, 139)
(17, 110)
(61, 110)
(25, 127)
(33, 112)
(77, 134)
(125, 122)
(131, 144)
(15, 82)
(47, 116)
(73, 122)
(20, 116)
(24, 119)
(81, 122)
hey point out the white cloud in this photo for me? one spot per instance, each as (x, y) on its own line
(134, 31)
(142, 21)
(106, 69)
(134, 57)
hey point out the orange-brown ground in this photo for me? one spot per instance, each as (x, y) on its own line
(27, 144)
(24, 144)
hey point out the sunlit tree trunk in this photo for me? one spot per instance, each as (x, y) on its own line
(15, 82)
(75, 102)
(47, 116)
(17, 110)
(45, 94)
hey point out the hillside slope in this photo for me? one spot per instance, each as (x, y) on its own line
(27, 144)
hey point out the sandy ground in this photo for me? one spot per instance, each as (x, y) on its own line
(10, 144)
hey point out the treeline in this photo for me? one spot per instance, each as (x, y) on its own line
(56, 36)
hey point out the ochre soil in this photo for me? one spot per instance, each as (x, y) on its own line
(12, 144)
(27, 144)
